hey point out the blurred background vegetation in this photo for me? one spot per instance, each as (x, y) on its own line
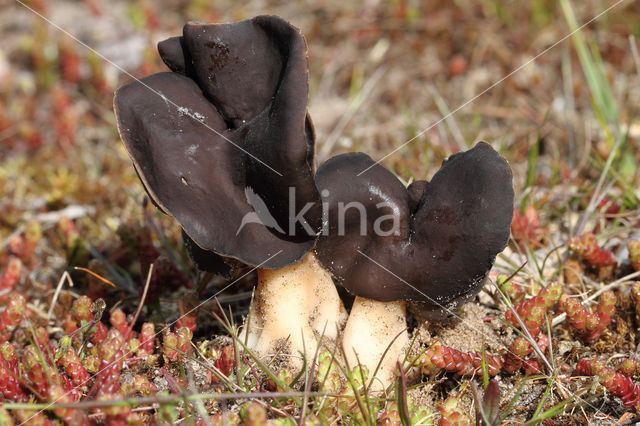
(438, 74)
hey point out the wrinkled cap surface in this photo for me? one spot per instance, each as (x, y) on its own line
(434, 242)
(224, 144)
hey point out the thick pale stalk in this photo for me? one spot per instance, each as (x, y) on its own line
(370, 329)
(295, 305)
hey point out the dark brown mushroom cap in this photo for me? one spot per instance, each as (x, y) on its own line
(205, 260)
(441, 250)
(416, 189)
(226, 137)
(176, 56)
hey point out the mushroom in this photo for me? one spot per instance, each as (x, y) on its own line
(433, 242)
(224, 144)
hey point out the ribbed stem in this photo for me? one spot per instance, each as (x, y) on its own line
(370, 329)
(296, 305)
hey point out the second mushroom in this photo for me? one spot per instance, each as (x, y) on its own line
(224, 144)
(433, 242)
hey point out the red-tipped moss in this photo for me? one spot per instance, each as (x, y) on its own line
(188, 316)
(228, 418)
(532, 311)
(452, 360)
(225, 362)
(452, 413)
(91, 363)
(254, 414)
(32, 417)
(111, 364)
(16, 246)
(516, 354)
(543, 342)
(525, 227)
(82, 309)
(118, 319)
(108, 379)
(70, 234)
(97, 333)
(143, 385)
(285, 376)
(590, 326)
(11, 316)
(69, 324)
(184, 340)
(139, 385)
(23, 246)
(599, 258)
(390, 417)
(188, 321)
(606, 308)
(74, 368)
(146, 337)
(514, 290)
(133, 345)
(10, 386)
(36, 370)
(11, 274)
(615, 382)
(41, 338)
(572, 271)
(551, 294)
(576, 313)
(532, 366)
(68, 415)
(169, 346)
(8, 357)
(628, 367)
(326, 374)
(115, 414)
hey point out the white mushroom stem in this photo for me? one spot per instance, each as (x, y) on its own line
(296, 305)
(370, 330)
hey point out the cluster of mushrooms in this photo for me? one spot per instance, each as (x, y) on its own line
(225, 145)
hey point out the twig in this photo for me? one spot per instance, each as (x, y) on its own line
(37, 310)
(72, 212)
(142, 299)
(66, 275)
(560, 318)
